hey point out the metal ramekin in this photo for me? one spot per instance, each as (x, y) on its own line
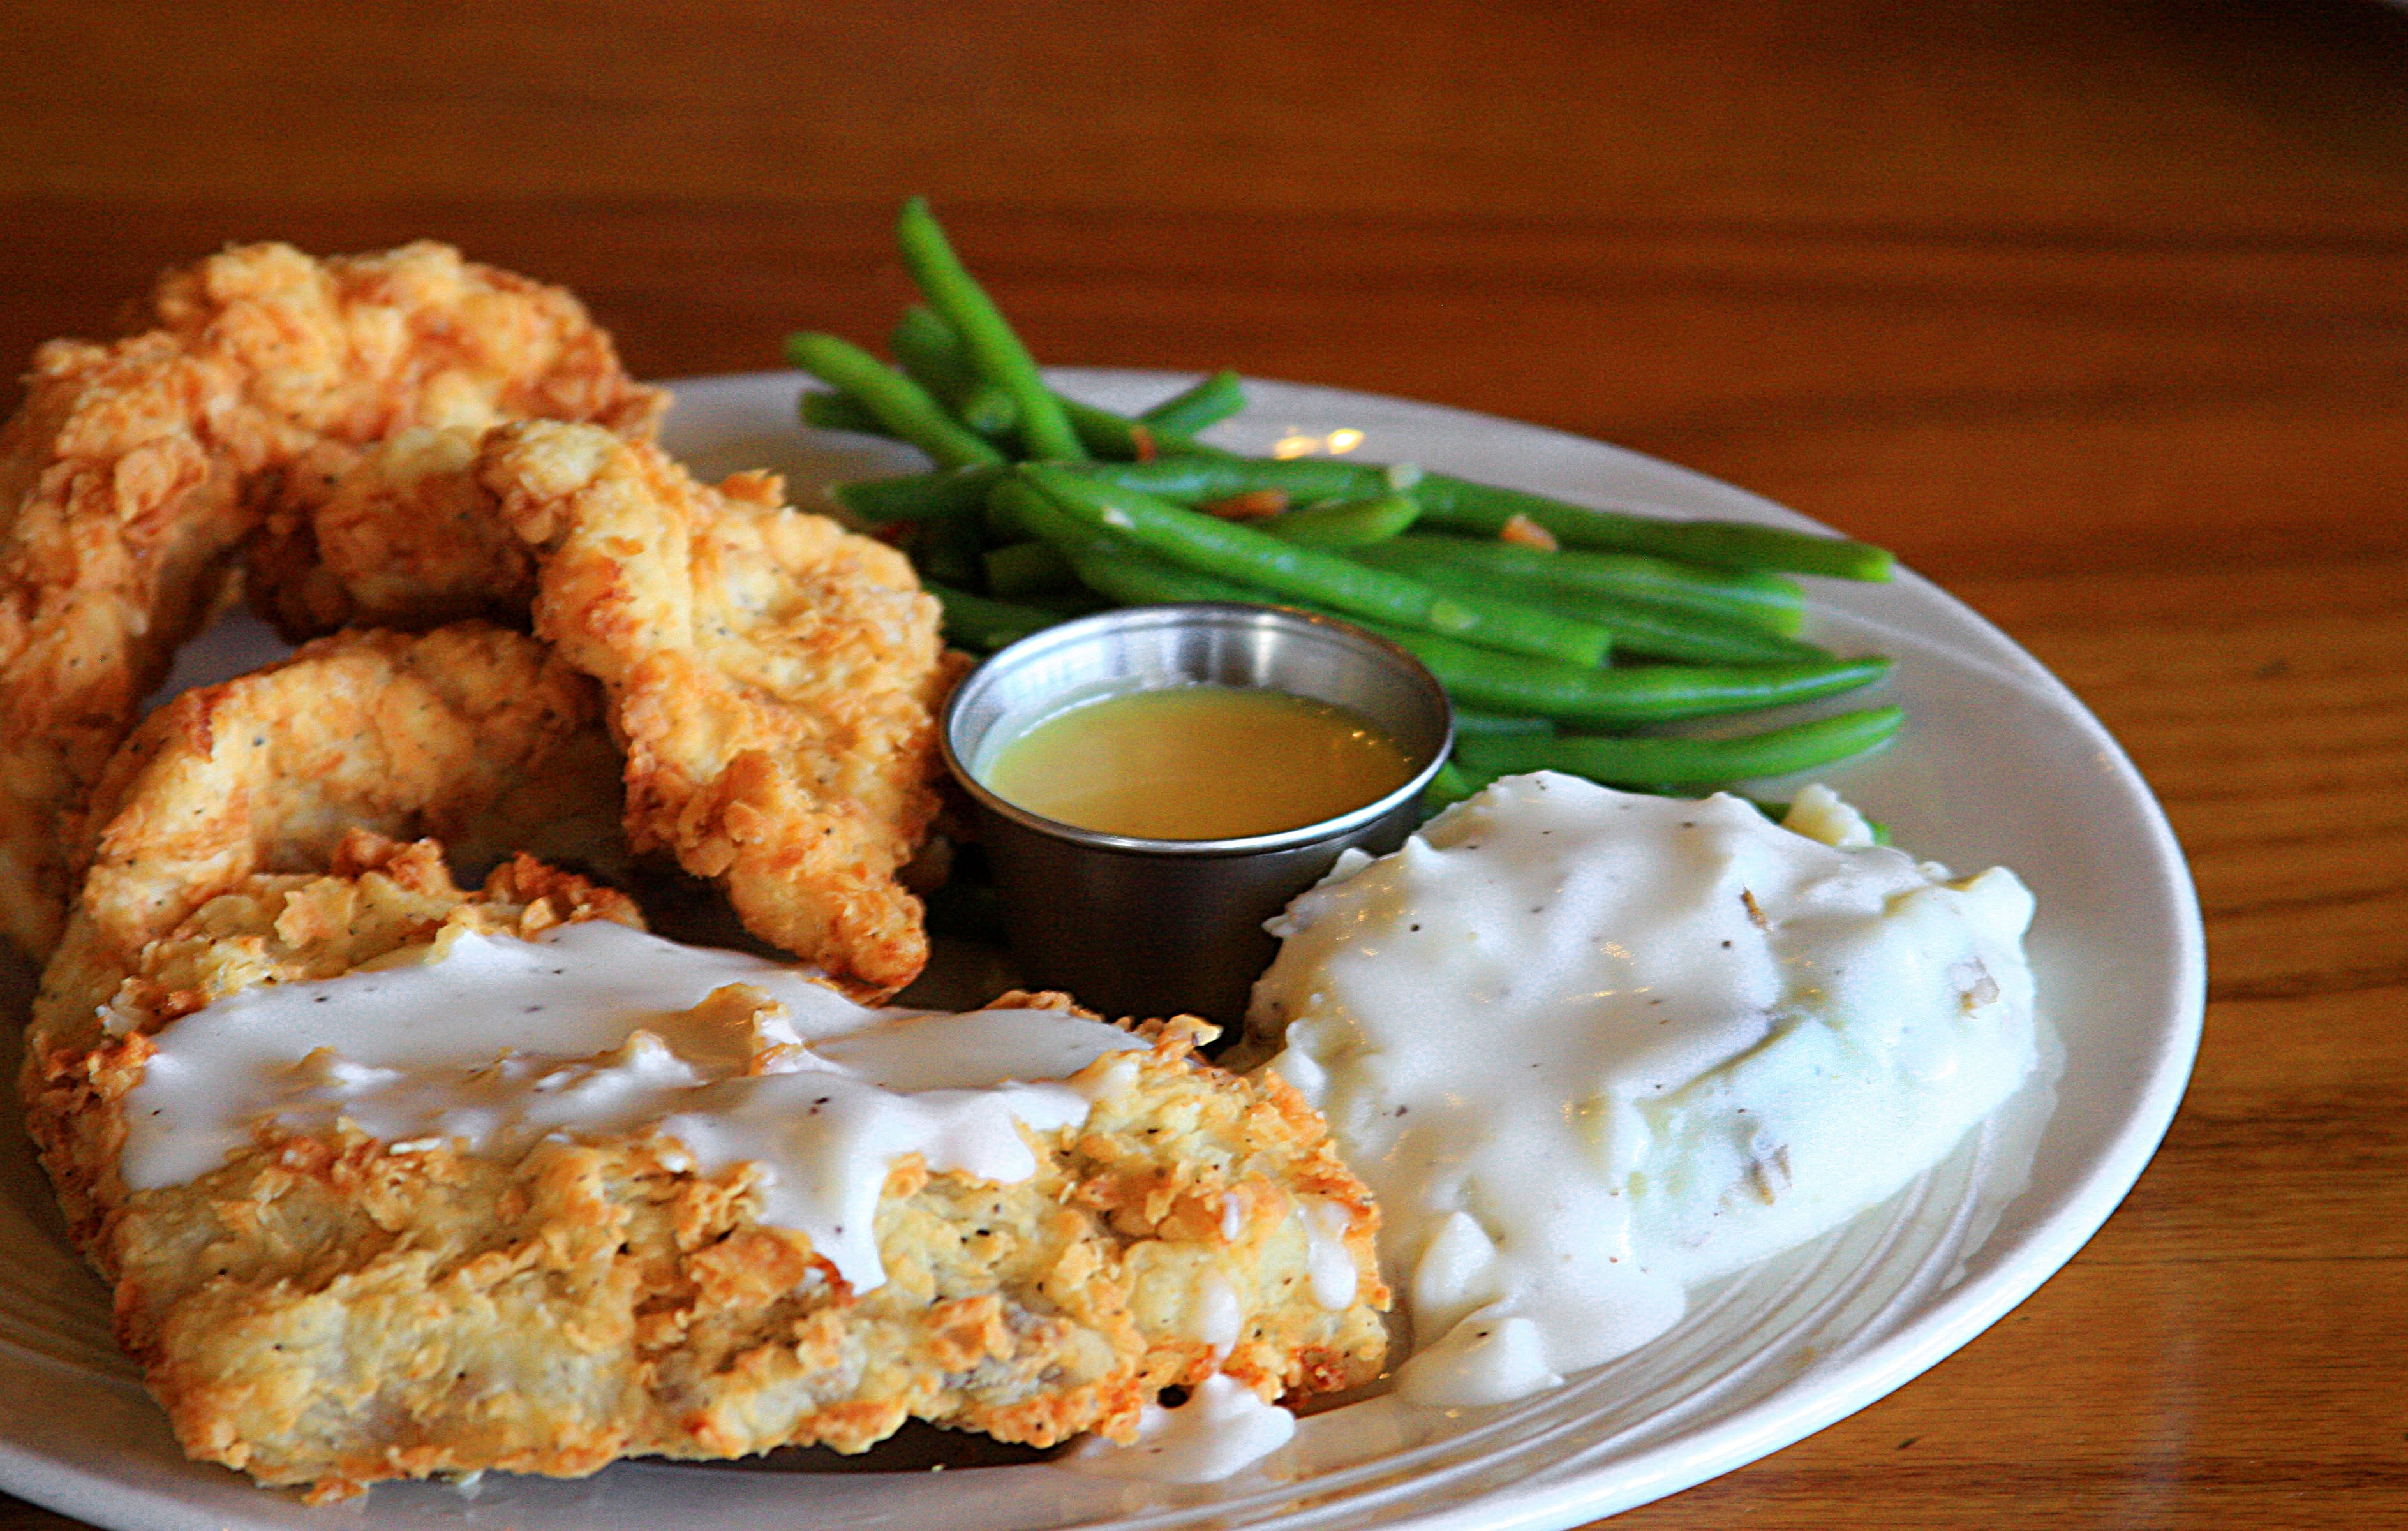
(1147, 928)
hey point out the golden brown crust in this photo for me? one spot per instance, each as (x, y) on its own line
(331, 1311)
(88, 1037)
(474, 734)
(397, 535)
(134, 469)
(773, 679)
(383, 1315)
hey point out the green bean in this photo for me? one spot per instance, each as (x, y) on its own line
(1454, 503)
(1191, 410)
(932, 356)
(1662, 632)
(975, 622)
(1698, 640)
(1344, 524)
(1469, 721)
(1119, 439)
(1725, 544)
(1799, 747)
(950, 549)
(1123, 574)
(1769, 601)
(989, 410)
(1226, 548)
(1130, 578)
(993, 347)
(1119, 573)
(1016, 511)
(1625, 694)
(902, 405)
(839, 412)
(918, 497)
(931, 353)
(1027, 568)
(1192, 481)
(1117, 570)
(1480, 680)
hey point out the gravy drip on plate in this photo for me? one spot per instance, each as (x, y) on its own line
(489, 1044)
(1221, 1429)
(1589, 1048)
(1198, 763)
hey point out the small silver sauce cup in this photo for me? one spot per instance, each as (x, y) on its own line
(1148, 928)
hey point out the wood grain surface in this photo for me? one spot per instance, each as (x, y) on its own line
(2097, 312)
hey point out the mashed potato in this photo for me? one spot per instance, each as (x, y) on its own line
(1589, 1048)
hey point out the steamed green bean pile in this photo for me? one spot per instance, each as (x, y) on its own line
(1560, 630)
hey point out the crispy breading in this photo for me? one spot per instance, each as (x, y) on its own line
(373, 897)
(333, 1311)
(475, 735)
(396, 535)
(773, 677)
(134, 469)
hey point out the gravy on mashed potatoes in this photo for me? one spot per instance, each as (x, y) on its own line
(1589, 1048)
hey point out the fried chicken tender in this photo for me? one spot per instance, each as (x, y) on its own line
(471, 733)
(134, 470)
(374, 896)
(399, 535)
(333, 1311)
(772, 677)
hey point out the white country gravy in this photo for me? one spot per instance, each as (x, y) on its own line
(1221, 1428)
(597, 1028)
(1589, 1048)
(1586, 1048)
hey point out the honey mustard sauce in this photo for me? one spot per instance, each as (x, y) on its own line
(1198, 763)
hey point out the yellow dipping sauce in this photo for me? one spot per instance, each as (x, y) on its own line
(1198, 763)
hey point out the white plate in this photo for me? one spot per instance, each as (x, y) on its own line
(1999, 764)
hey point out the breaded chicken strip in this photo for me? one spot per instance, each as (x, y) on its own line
(331, 1309)
(372, 898)
(399, 535)
(772, 678)
(134, 469)
(476, 735)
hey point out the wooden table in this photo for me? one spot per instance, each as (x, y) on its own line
(2098, 313)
